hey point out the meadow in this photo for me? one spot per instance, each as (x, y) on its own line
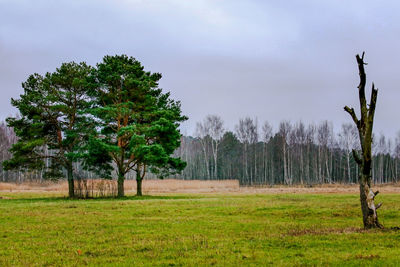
(221, 229)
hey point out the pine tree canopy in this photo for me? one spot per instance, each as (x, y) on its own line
(138, 124)
(52, 125)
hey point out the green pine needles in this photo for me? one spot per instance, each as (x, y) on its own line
(112, 117)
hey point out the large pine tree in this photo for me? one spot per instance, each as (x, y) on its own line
(138, 124)
(53, 127)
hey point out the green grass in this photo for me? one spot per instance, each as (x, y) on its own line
(195, 230)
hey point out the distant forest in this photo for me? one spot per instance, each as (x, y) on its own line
(255, 154)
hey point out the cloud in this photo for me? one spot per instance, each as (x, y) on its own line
(268, 59)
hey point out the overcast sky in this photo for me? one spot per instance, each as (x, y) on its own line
(270, 60)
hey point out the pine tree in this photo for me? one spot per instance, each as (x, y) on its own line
(52, 119)
(137, 123)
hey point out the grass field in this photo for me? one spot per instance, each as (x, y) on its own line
(228, 229)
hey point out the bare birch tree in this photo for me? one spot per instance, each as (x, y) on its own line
(203, 134)
(210, 133)
(266, 136)
(215, 125)
(348, 142)
(284, 132)
(300, 136)
(246, 133)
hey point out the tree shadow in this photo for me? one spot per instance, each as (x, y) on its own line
(393, 228)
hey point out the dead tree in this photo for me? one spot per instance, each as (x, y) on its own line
(364, 126)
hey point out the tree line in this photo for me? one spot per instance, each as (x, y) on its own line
(294, 153)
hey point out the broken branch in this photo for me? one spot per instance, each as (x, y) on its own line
(372, 104)
(352, 114)
(361, 86)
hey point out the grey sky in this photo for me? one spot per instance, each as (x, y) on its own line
(272, 60)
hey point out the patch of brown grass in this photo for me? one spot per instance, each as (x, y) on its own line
(367, 257)
(34, 186)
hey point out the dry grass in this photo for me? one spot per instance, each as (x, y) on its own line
(202, 186)
(186, 186)
(392, 188)
(149, 186)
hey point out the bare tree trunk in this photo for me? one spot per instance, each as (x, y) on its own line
(319, 165)
(245, 161)
(216, 161)
(272, 170)
(348, 167)
(255, 161)
(367, 197)
(2, 169)
(289, 166)
(307, 174)
(284, 162)
(206, 162)
(214, 148)
(264, 164)
(328, 176)
(301, 165)
(364, 126)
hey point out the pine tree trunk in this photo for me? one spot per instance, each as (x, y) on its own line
(70, 177)
(138, 183)
(121, 179)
